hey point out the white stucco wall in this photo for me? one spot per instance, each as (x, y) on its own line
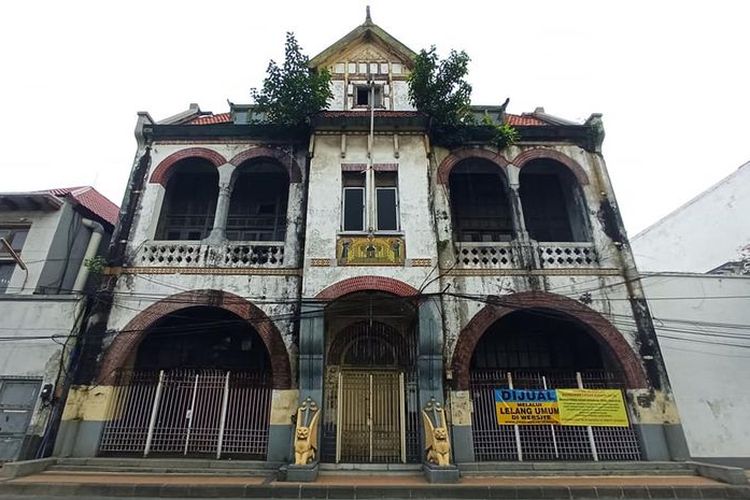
(324, 208)
(25, 318)
(35, 249)
(701, 235)
(703, 323)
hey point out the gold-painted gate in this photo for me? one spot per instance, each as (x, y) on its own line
(371, 416)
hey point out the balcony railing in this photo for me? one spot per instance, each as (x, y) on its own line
(494, 255)
(567, 255)
(525, 255)
(222, 255)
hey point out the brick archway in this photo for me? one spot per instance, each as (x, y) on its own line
(367, 283)
(594, 323)
(524, 157)
(282, 157)
(162, 172)
(135, 331)
(457, 156)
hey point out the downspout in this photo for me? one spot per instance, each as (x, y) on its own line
(97, 232)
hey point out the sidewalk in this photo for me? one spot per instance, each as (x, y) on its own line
(343, 486)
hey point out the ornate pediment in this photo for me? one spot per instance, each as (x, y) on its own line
(367, 42)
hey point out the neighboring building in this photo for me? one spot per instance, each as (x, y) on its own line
(703, 323)
(710, 233)
(371, 271)
(697, 279)
(51, 232)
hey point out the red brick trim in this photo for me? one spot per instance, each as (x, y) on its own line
(282, 157)
(444, 170)
(594, 323)
(162, 172)
(365, 283)
(533, 154)
(130, 337)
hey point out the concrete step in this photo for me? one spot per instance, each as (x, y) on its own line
(168, 463)
(520, 469)
(100, 469)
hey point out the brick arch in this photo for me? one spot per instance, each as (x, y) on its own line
(367, 283)
(524, 157)
(162, 172)
(282, 157)
(594, 323)
(136, 330)
(458, 155)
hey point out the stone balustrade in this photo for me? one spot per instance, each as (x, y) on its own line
(228, 254)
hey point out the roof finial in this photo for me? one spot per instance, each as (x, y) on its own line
(368, 19)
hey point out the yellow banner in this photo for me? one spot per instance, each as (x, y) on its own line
(594, 407)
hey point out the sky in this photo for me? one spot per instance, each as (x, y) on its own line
(671, 78)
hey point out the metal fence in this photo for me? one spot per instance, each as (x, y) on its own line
(494, 442)
(189, 413)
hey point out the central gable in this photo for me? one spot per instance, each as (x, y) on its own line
(367, 43)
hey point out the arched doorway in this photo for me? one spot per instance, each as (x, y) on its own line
(198, 384)
(539, 348)
(371, 400)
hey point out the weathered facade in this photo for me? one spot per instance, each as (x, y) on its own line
(365, 267)
(43, 290)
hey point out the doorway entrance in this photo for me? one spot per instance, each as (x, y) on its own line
(372, 417)
(371, 401)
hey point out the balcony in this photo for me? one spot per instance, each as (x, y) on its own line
(526, 255)
(228, 255)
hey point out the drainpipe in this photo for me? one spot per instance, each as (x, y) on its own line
(97, 231)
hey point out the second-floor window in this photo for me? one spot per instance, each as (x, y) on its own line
(16, 237)
(355, 207)
(190, 202)
(353, 210)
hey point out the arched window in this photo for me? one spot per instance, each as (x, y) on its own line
(257, 211)
(553, 206)
(190, 201)
(479, 201)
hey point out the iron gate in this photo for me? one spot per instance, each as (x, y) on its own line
(371, 417)
(189, 413)
(493, 442)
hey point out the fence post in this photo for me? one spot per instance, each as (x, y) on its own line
(519, 451)
(224, 404)
(579, 379)
(154, 410)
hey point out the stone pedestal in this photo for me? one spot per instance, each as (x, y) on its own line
(302, 473)
(445, 475)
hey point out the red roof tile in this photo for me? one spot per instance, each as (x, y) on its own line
(522, 120)
(90, 199)
(211, 119)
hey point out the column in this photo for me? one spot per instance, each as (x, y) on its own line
(311, 349)
(218, 233)
(516, 207)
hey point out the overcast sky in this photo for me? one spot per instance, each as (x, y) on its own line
(671, 78)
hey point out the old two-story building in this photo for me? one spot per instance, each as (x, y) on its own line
(364, 266)
(44, 280)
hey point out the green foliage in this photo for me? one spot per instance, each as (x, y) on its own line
(439, 87)
(95, 265)
(505, 135)
(291, 93)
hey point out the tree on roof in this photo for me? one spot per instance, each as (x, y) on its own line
(292, 92)
(439, 88)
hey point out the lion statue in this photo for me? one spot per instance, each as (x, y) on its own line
(437, 445)
(306, 434)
